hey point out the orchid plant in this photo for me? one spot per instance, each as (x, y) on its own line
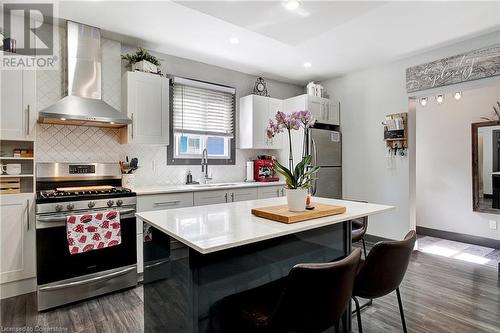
(301, 175)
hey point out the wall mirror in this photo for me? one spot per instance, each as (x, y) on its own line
(486, 166)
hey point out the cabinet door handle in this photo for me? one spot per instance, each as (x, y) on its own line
(283, 192)
(278, 192)
(132, 130)
(225, 196)
(28, 214)
(232, 197)
(167, 203)
(28, 120)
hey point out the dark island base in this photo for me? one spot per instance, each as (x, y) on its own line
(182, 286)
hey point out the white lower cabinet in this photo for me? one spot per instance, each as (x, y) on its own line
(211, 197)
(164, 201)
(223, 196)
(17, 238)
(157, 202)
(270, 192)
(242, 194)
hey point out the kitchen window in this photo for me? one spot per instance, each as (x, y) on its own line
(202, 117)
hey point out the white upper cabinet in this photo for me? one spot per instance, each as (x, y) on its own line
(254, 114)
(146, 102)
(18, 104)
(17, 238)
(324, 110)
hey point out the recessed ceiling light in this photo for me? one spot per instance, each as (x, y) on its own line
(112, 122)
(63, 119)
(307, 64)
(457, 95)
(292, 4)
(423, 101)
(234, 40)
(440, 99)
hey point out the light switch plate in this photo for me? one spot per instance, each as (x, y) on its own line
(493, 225)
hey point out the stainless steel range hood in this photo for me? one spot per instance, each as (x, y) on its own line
(83, 105)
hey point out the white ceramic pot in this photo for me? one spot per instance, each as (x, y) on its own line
(145, 66)
(128, 180)
(296, 199)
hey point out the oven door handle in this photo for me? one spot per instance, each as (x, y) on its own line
(62, 218)
(95, 279)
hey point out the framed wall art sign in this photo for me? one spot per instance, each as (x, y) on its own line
(469, 66)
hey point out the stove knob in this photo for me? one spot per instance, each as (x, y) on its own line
(70, 206)
(110, 203)
(59, 208)
(91, 204)
(119, 202)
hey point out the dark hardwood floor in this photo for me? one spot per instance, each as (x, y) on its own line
(439, 295)
(118, 312)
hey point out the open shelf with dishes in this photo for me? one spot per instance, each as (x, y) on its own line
(17, 163)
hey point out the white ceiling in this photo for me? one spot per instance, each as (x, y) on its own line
(271, 19)
(335, 37)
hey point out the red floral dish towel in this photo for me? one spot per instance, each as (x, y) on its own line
(93, 231)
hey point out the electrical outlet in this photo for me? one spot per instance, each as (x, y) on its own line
(493, 225)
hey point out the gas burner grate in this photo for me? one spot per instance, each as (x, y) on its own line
(52, 194)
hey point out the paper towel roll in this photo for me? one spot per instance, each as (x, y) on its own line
(249, 177)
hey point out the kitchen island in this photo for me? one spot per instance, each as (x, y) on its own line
(199, 255)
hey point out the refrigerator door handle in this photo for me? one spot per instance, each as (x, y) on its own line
(315, 163)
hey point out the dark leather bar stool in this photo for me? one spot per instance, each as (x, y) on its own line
(382, 272)
(312, 298)
(359, 227)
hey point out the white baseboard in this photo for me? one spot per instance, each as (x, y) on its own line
(17, 288)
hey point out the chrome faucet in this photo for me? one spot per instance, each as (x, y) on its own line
(204, 166)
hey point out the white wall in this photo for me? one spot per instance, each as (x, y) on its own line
(366, 96)
(444, 163)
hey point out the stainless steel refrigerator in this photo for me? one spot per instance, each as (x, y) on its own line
(325, 146)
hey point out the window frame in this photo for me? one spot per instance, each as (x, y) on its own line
(172, 160)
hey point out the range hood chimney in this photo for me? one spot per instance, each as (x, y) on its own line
(83, 105)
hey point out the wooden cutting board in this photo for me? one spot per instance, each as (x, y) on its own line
(282, 214)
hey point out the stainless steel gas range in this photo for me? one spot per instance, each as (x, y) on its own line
(65, 189)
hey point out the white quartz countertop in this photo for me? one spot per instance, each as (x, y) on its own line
(159, 189)
(212, 228)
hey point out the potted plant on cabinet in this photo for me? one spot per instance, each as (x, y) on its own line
(143, 61)
(298, 179)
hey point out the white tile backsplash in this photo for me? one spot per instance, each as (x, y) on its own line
(56, 143)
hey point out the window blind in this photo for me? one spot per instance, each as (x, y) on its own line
(203, 110)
